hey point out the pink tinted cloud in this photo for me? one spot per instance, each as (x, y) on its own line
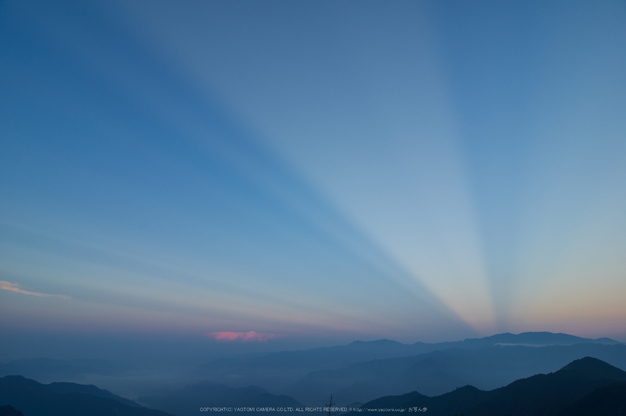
(14, 287)
(250, 336)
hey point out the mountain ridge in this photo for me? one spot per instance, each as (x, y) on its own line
(583, 382)
(296, 365)
(441, 371)
(66, 399)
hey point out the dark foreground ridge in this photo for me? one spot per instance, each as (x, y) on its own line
(10, 411)
(586, 386)
(65, 399)
(487, 363)
(375, 372)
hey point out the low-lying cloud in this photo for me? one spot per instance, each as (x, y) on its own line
(14, 287)
(250, 336)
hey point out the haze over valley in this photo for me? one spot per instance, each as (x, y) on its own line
(380, 374)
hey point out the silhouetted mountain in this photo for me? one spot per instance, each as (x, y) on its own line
(285, 371)
(10, 411)
(527, 339)
(592, 368)
(188, 400)
(439, 372)
(584, 382)
(294, 372)
(547, 394)
(66, 399)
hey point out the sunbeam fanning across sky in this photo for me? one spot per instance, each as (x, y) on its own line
(259, 172)
(388, 161)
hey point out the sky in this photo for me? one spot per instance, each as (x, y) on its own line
(320, 172)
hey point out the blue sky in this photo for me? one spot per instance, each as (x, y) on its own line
(421, 171)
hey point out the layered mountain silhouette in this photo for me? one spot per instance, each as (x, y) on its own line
(527, 339)
(353, 372)
(587, 383)
(66, 399)
(586, 386)
(438, 372)
(359, 351)
(187, 400)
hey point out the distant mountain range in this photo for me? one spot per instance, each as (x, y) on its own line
(538, 339)
(355, 373)
(282, 371)
(66, 399)
(441, 371)
(586, 386)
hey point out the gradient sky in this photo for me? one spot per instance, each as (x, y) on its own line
(337, 170)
